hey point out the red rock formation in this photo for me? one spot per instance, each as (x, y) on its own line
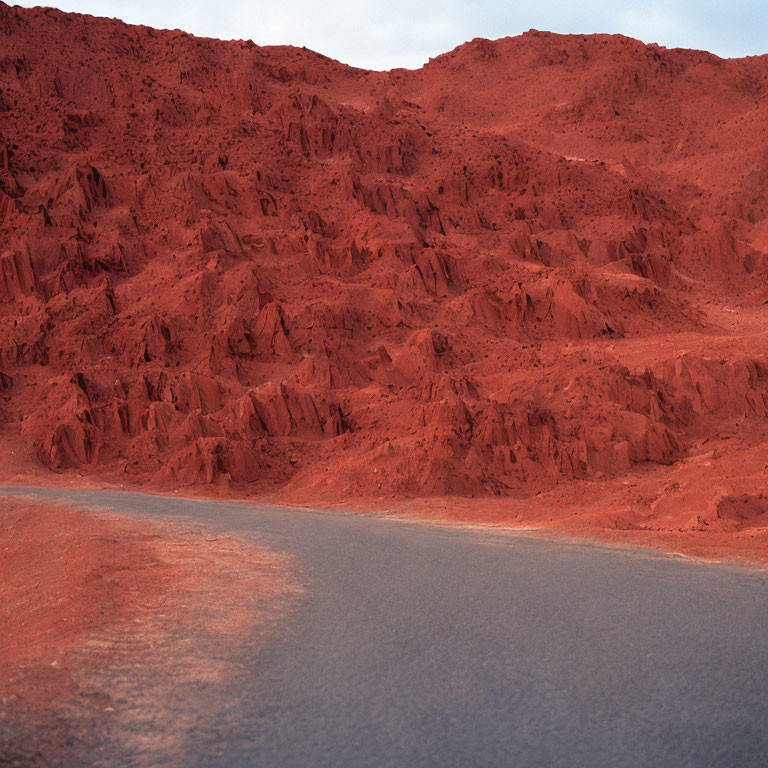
(534, 262)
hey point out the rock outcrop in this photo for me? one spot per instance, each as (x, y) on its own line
(534, 262)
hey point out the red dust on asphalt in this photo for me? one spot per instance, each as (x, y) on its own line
(92, 603)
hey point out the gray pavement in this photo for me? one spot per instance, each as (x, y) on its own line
(418, 645)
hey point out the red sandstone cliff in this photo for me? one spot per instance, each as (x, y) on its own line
(532, 262)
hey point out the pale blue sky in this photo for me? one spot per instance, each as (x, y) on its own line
(381, 34)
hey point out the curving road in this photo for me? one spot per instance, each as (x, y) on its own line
(426, 646)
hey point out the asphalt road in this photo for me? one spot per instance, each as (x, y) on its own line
(425, 646)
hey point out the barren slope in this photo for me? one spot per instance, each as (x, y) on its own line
(534, 266)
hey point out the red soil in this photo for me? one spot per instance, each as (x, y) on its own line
(531, 271)
(64, 575)
(81, 592)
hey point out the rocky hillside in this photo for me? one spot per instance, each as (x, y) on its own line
(533, 262)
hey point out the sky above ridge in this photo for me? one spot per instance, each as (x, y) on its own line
(382, 34)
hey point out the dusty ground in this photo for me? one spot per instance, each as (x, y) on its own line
(658, 508)
(713, 506)
(744, 546)
(107, 622)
